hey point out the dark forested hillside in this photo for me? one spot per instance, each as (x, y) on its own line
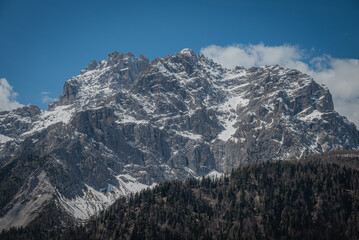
(273, 200)
(316, 198)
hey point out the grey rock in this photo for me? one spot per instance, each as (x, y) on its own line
(129, 124)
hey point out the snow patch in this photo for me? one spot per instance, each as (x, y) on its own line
(229, 130)
(189, 135)
(186, 51)
(130, 119)
(93, 201)
(310, 117)
(237, 101)
(214, 174)
(82, 208)
(187, 169)
(48, 118)
(129, 184)
(4, 139)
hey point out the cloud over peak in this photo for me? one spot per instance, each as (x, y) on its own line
(45, 98)
(253, 55)
(341, 76)
(7, 96)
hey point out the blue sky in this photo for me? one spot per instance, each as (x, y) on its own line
(43, 43)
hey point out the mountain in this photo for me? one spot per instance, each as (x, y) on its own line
(313, 198)
(125, 124)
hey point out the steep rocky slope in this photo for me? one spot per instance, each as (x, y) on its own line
(315, 197)
(125, 124)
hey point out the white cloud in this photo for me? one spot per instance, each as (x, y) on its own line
(253, 55)
(7, 96)
(341, 76)
(45, 98)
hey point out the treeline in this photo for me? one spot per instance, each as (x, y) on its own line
(347, 158)
(273, 200)
(305, 199)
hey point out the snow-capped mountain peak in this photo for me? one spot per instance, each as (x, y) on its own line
(125, 123)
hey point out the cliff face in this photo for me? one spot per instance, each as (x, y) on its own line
(125, 124)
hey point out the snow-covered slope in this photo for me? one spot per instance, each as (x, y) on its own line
(125, 124)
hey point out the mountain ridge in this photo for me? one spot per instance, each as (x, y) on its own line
(125, 124)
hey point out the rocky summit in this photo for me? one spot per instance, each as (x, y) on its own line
(125, 124)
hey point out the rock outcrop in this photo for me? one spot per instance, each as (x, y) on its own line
(124, 124)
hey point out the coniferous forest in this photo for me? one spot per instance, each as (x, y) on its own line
(312, 198)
